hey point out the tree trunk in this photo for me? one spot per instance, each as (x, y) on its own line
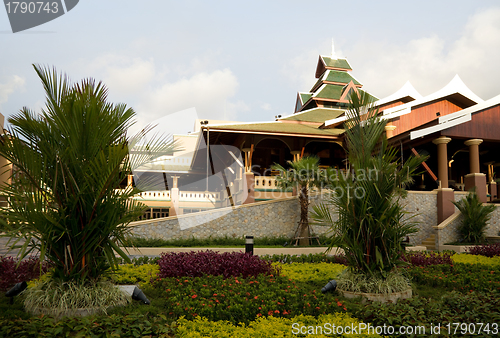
(304, 222)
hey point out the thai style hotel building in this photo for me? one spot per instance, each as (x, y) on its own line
(228, 164)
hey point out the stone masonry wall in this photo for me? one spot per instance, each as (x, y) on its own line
(449, 233)
(268, 219)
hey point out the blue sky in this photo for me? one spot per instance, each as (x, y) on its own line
(246, 61)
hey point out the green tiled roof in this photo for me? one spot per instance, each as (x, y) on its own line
(336, 63)
(319, 115)
(337, 76)
(280, 128)
(329, 91)
(305, 97)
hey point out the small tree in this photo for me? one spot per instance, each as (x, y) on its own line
(371, 220)
(475, 218)
(302, 175)
(70, 161)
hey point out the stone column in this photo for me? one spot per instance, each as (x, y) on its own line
(389, 130)
(174, 198)
(296, 154)
(248, 159)
(442, 160)
(492, 185)
(475, 178)
(250, 184)
(445, 195)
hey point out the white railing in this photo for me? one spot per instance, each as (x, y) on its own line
(265, 182)
(198, 196)
(184, 196)
(155, 195)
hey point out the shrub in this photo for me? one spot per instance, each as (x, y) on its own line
(266, 327)
(488, 250)
(133, 325)
(310, 258)
(475, 218)
(453, 307)
(354, 281)
(419, 258)
(311, 272)
(57, 298)
(492, 262)
(242, 300)
(461, 277)
(227, 264)
(133, 274)
(28, 269)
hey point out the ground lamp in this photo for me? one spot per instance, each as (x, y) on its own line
(249, 244)
(15, 290)
(135, 292)
(330, 286)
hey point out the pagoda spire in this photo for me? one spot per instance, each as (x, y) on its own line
(333, 51)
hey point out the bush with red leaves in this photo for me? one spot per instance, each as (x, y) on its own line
(227, 264)
(28, 269)
(419, 258)
(488, 250)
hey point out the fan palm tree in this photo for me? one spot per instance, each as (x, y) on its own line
(302, 175)
(69, 161)
(371, 220)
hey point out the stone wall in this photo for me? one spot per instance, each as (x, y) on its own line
(269, 219)
(262, 219)
(447, 232)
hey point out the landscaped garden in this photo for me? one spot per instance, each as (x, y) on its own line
(236, 295)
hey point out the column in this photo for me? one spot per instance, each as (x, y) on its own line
(492, 185)
(174, 198)
(445, 195)
(389, 130)
(475, 178)
(296, 155)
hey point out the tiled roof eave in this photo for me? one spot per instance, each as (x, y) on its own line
(322, 135)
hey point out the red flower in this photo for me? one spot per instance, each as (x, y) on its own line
(194, 296)
(339, 303)
(255, 297)
(259, 314)
(276, 311)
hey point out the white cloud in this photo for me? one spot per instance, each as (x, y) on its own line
(13, 84)
(430, 63)
(208, 92)
(124, 75)
(155, 91)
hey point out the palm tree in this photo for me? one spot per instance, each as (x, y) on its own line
(69, 161)
(302, 175)
(371, 220)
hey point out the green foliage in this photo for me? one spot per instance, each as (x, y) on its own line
(125, 326)
(193, 242)
(371, 220)
(134, 274)
(310, 258)
(394, 281)
(492, 262)
(267, 327)
(461, 277)
(303, 174)
(475, 218)
(240, 300)
(452, 307)
(56, 298)
(69, 161)
(311, 272)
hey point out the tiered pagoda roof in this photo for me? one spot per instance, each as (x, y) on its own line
(331, 91)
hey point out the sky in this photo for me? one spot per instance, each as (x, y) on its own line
(246, 61)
